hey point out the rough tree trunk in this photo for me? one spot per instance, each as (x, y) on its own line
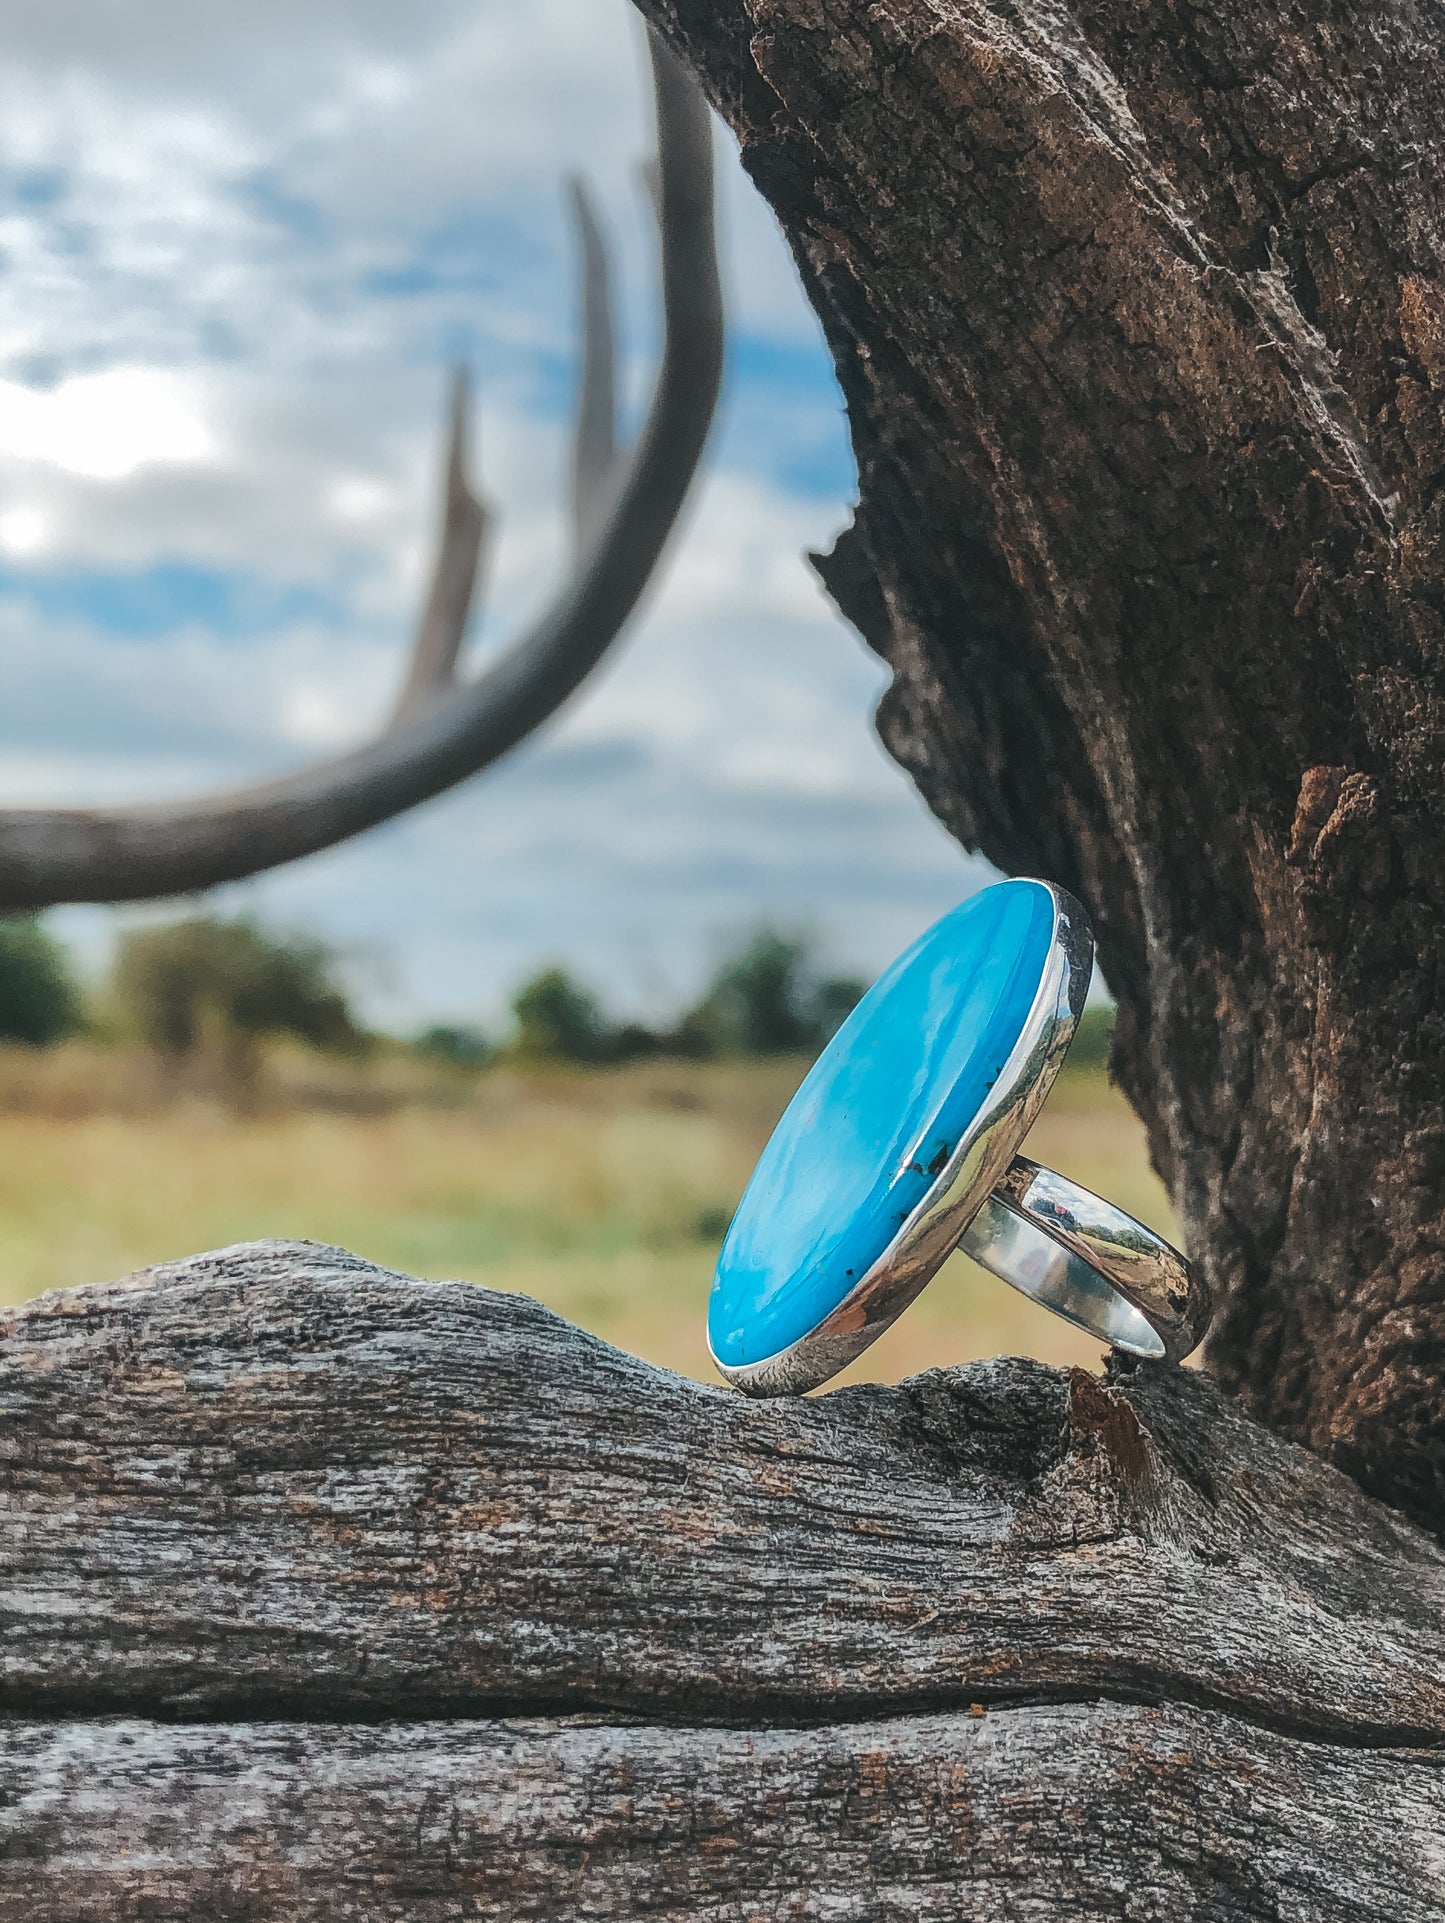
(328, 1594)
(1140, 313)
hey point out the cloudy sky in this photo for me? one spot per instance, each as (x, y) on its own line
(238, 250)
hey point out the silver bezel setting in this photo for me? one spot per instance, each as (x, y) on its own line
(978, 1164)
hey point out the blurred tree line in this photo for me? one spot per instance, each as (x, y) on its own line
(226, 987)
(767, 998)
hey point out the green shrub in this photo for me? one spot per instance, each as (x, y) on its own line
(187, 980)
(39, 1000)
(455, 1046)
(770, 999)
(558, 1020)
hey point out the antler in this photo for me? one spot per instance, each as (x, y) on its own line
(595, 471)
(442, 732)
(595, 461)
(452, 594)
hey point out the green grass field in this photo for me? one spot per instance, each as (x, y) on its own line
(602, 1194)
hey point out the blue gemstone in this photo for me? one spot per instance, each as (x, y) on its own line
(871, 1129)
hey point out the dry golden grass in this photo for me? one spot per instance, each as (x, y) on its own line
(602, 1195)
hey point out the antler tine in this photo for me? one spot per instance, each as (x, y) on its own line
(454, 578)
(594, 451)
(130, 854)
(452, 595)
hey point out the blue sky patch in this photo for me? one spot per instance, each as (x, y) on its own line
(35, 187)
(265, 192)
(784, 413)
(231, 604)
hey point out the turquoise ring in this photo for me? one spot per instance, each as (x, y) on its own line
(902, 1145)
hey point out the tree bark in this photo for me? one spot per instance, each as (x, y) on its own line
(328, 1593)
(1139, 311)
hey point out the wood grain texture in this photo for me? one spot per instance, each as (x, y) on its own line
(1139, 311)
(278, 1478)
(330, 1593)
(1084, 1811)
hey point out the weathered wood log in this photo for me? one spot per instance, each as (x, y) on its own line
(328, 1593)
(1081, 1810)
(1139, 309)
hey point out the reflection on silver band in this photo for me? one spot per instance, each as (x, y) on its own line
(1089, 1262)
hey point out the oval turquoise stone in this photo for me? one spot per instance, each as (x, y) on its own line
(873, 1126)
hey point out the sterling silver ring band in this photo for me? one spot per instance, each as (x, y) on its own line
(1089, 1262)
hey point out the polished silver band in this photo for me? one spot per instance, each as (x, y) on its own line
(1089, 1262)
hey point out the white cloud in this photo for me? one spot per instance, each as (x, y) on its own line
(104, 427)
(238, 249)
(24, 531)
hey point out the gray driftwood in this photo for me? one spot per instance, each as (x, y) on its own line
(329, 1593)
